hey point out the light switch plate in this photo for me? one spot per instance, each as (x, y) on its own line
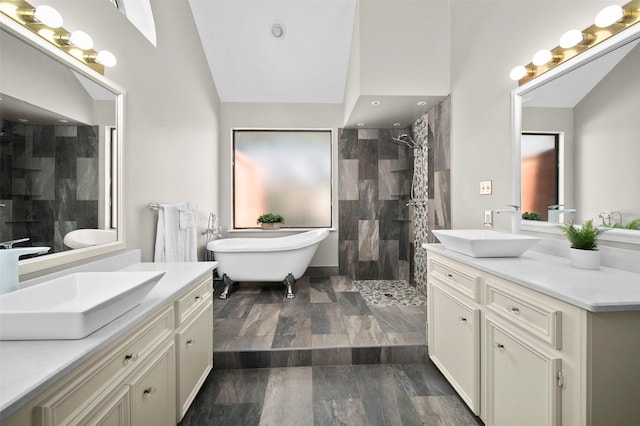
(485, 187)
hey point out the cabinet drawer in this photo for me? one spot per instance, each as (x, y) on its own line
(194, 347)
(462, 279)
(80, 395)
(194, 300)
(531, 314)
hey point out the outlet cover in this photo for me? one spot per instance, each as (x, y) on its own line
(485, 187)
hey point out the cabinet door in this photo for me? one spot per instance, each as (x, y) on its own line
(153, 392)
(114, 412)
(454, 342)
(521, 380)
(195, 357)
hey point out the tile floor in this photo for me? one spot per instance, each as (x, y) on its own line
(334, 355)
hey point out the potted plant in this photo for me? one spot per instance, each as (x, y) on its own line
(584, 244)
(270, 221)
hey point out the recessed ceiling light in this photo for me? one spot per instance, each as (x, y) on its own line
(360, 124)
(23, 120)
(422, 103)
(396, 124)
(375, 103)
(278, 30)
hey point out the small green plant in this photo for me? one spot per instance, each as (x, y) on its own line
(532, 216)
(634, 225)
(270, 218)
(584, 237)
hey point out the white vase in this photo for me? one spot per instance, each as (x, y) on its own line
(585, 259)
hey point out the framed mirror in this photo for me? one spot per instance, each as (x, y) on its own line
(575, 141)
(61, 126)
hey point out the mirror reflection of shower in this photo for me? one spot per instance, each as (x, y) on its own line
(408, 142)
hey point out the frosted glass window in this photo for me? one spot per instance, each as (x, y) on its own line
(539, 168)
(284, 171)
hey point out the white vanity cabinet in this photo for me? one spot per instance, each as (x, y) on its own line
(520, 357)
(105, 389)
(194, 342)
(454, 329)
(147, 376)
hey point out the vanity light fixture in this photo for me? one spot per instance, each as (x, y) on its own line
(519, 72)
(103, 57)
(541, 57)
(574, 42)
(574, 37)
(609, 16)
(80, 39)
(45, 22)
(42, 14)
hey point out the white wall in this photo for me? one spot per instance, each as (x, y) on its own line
(607, 129)
(278, 116)
(488, 38)
(172, 110)
(404, 47)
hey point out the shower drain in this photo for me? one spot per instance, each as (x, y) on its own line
(388, 294)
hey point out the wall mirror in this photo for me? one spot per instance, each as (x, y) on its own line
(584, 151)
(60, 152)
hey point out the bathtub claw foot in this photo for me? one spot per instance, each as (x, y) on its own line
(227, 283)
(289, 281)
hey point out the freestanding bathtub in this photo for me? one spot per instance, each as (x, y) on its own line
(282, 259)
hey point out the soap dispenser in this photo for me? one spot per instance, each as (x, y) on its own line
(9, 257)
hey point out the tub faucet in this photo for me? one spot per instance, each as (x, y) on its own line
(9, 257)
(606, 218)
(555, 211)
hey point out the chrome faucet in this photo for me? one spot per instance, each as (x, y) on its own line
(9, 257)
(555, 211)
(514, 211)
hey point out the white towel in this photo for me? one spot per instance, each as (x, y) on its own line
(175, 242)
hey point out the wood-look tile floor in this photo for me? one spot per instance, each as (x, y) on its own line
(326, 312)
(397, 394)
(331, 359)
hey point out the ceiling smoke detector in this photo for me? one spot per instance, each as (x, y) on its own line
(278, 30)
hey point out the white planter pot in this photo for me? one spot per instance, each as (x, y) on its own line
(585, 259)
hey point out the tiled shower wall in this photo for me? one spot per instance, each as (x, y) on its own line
(374, 222)
(432, 165)
(48, 181)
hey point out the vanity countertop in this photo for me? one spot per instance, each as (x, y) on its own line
(601, 290)
(28, 367)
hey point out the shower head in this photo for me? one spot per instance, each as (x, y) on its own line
(405, 140)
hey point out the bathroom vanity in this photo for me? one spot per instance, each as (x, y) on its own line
(143, 368)
(533, 341)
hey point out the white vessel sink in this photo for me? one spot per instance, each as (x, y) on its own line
(485, 243)
(73, 306)
(80, 238)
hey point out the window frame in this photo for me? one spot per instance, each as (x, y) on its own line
(331, 134)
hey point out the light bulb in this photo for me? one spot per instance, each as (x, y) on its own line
(106, 58)
(541, 57)
(518, 72)
(571, 38)
(608, 16)
(81, 39)
(48, 16)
